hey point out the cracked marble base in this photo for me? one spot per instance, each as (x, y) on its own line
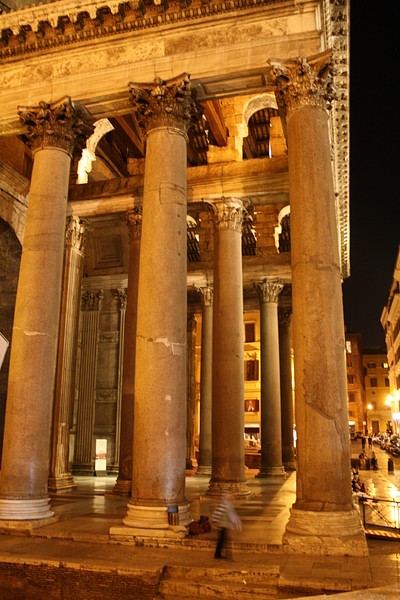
(337, 533)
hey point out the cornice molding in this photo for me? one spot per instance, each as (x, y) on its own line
(63, 23)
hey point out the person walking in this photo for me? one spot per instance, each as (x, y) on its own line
(224, 518)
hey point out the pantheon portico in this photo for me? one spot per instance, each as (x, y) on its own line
(174, 175)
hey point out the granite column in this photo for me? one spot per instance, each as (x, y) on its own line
(323, 519)
(55, 131)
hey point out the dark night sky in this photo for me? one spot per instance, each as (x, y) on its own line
(374, 167)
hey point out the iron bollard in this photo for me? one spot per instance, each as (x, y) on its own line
(390, 465)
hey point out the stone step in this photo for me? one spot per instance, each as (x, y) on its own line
(224, 583)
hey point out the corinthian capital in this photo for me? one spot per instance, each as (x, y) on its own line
(59, 124)
(268, 290)
(75, 234)
(304, 82)
(134, 222)
(164, 103)
(229, 214)
(206, 295)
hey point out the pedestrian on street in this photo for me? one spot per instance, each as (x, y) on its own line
(224, 518)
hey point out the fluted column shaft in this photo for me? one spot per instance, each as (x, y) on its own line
(205, 437)
(53, 131)
(124, 480)
(60, 476)
(228, 468)
(323, 518)
(84, 454)
(159, 439)
(271, 435)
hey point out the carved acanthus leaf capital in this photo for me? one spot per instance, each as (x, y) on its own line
(268, 290)
(284, 317)
(164, 103)
(92, 301)
(122, 295)
(229, 213)
(206, 295)
(75, 234)
(304, 82)
(134, 222)
(60, 125)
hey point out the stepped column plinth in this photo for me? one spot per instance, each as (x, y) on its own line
(323, 519)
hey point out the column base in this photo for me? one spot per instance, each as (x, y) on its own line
(203, 470)
(25, 510)
(238, 489)
(61, 483)
(122, 487)
(156, 518)
(338, 533)
(272, 472)
(290, 465)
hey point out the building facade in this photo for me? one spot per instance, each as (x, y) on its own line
(156, 159)
(390, 320)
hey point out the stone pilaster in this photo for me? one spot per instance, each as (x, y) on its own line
(60, 477)
(285, 363)
(323, 519)
(55, 131)
(228, 466)
(268, 291)
(166, 110)
(205, 438)
(124, 481)
(84, 455)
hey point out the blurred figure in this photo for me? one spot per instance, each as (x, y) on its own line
(224, 518)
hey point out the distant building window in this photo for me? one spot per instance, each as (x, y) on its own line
(350, 379)
(385, 365)
(251, 370)
(352, 397)
(371, 365)
(252, 405)
(387, 383)
(249, 332)
(348, 346)
(373, 381)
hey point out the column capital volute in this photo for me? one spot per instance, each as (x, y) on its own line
(206, 295)
(164, 103)
(268, 290)
(229, 213)
(59, 125)
(304, 82)
(134, 222)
